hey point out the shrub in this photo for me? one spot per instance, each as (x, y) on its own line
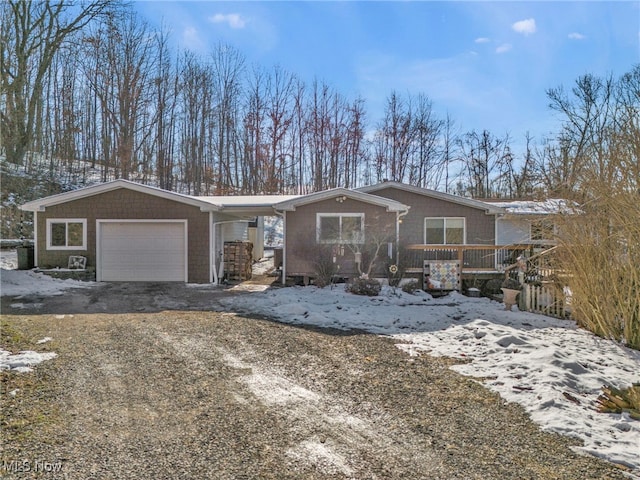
(491, 287)
(365, 286)
(324, 270)
(410, 287)
(600, 253)
(511, 284)
(323, 265)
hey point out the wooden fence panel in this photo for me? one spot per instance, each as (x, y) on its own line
(544, 299)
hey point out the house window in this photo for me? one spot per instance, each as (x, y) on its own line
(340, 227)
(542, 230)
(444, 231)
(67, 234)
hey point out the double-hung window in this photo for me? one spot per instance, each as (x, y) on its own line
(340, 228)
(66, 234)
(444, 231)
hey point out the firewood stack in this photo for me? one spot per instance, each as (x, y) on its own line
(238, 257)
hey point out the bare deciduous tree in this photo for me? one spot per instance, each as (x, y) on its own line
(31, 34)
(483, 156)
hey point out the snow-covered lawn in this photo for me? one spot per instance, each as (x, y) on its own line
(8, 258)
(549, 366)
(16, 283)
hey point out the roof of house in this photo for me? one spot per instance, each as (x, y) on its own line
(390, 205)
(447, 197)
(43, 203)
(243, 204)
(550, 206)
(250, 204)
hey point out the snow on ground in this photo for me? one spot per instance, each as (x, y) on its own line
(8, 259)
(549, 366)
(264, 265)
(23, 362)
(16, 283)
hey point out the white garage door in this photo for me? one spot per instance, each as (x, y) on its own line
(142, 251)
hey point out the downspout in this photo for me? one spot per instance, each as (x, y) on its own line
(212, 245)
(35, 238)
(398, 221)
(284, 243)
(496, 219)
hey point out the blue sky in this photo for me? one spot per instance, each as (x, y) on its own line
(487, 64)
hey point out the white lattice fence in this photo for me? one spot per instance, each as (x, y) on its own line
(544, 299)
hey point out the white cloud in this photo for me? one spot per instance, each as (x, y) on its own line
(504, 48)
(482, 40)
(576, 36)
(191, 38)
(525, 27)
(234, 20)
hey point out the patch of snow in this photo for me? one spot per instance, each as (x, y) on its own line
(551, 367)
(22, 362)
(8, 259)
(264, 265)
(321, 456)
(26, 305)
(271, 389)
(15, 283)
(309, 412)
(550, 206)
(44, 340)
(249, 287)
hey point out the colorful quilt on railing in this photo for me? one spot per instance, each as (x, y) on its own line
(446, 273)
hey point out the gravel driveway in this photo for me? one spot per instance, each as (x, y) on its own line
(167, 394)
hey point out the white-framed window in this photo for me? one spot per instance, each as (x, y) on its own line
(444, 231)
(542, 230)
(66, 233)
(340, 228)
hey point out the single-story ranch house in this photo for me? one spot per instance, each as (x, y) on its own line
(133, 232)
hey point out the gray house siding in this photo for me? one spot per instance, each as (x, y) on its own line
(303, 251)
(127, 204)
(480, 226)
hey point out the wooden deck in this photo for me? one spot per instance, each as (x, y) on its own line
(472, 258)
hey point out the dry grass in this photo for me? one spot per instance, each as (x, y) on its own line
(601, 253)
(27, 402)
(613, 400)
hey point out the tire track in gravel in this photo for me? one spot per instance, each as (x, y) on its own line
(326, 437)
(206, 395)
(139, 410)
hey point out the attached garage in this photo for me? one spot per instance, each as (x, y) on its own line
(142, 250)
(138, 233)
